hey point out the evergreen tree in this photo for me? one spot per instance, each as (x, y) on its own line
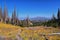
(5, 18)
(28, 22)
(1, 14)
(13, 21)
(18, 22)
(58, 16)
(53, 17)
(54, 22)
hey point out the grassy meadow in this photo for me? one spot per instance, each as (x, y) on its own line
(10, 32)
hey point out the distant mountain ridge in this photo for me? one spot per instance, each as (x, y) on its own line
(37, 19)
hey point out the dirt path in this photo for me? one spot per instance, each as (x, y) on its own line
(18, 35)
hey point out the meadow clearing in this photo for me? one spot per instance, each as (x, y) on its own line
(10, 32)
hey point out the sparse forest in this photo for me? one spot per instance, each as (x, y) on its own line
(54, 21)
(14, 20)
(15, 29)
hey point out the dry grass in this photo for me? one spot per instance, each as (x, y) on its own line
(33, 33)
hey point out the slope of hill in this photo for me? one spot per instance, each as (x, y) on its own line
(10, 32)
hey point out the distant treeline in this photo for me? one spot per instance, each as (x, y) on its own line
(53, 22)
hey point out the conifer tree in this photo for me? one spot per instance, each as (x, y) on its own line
(28, 22)
(5, 18)
(1, 14)
(18, 22)
(58, 16)
(14, 17)
(53, 17)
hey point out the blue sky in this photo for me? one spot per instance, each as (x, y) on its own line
(33, 8)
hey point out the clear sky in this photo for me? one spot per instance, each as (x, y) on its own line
(33, 8)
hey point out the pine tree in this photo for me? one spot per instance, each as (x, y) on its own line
(28, 22)
(58, 16)
(25, 22)
(14, 17)
(1, 14)
(53, 17)
(5, 18)
(54, 21)
(18, 22)
(12, 21)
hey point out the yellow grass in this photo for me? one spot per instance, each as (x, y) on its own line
(9, 30)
